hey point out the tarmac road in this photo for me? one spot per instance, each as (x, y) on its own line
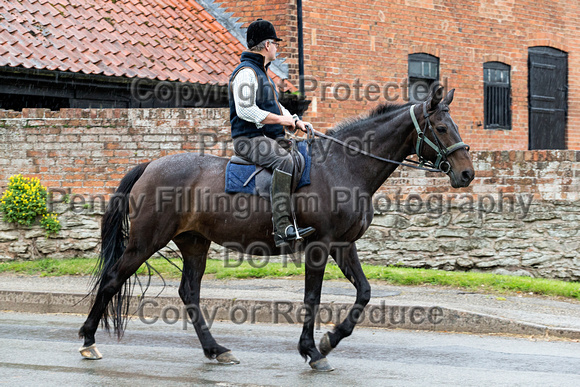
(41, 349)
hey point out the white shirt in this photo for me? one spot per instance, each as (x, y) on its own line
(244, 89)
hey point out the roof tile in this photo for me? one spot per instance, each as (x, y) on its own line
(24, 51)
(156, 39)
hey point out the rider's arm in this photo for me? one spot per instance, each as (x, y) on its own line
(298, 123)
(245, 87)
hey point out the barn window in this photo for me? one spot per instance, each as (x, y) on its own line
(497, 98)
(423, 76)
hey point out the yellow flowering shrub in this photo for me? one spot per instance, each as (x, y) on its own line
(24, 201)
(50, 223)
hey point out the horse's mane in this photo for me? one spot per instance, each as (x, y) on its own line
(387, 109)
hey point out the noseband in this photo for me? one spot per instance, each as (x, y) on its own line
(441, 162)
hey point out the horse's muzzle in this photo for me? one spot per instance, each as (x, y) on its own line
(461, 179)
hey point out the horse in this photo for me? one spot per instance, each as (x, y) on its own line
(133, 230)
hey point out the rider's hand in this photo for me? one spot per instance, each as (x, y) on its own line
(288, 121)
(302, 125)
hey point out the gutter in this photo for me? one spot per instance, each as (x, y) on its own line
(300, 48)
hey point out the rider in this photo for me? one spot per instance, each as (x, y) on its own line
(258, 122)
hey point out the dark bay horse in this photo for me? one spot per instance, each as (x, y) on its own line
(338, 223)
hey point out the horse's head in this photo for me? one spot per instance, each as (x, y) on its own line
(439, 142)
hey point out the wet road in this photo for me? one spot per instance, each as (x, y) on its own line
(42, 350)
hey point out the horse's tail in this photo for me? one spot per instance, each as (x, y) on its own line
(114, 234)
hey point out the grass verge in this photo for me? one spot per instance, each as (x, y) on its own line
(481, 282)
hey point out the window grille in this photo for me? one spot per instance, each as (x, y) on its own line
(497, 96)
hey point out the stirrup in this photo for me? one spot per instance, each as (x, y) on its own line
(292, 234)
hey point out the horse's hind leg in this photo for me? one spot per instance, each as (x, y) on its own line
(348, 261)
(111, 284)
(194, 249)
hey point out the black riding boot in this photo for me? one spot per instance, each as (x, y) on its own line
(284, 230)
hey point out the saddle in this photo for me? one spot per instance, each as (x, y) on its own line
(243, 176)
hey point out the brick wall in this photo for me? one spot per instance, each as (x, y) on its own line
(370, 41)
(89, 151)
(546, 175)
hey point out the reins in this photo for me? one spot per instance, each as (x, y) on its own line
(363, 152)
(442, 151)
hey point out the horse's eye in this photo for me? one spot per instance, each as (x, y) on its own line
(441, 129)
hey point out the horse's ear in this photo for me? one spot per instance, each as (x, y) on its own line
(449, 97)
(436, 97)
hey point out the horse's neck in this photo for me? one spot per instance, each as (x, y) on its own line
(392, 140)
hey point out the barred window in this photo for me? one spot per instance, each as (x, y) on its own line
(423, 76)
(497, 96)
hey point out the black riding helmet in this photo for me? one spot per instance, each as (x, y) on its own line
(259, 31)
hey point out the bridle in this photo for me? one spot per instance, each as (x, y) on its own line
(440, 165)
(441, 162)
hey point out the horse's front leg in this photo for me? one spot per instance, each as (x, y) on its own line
(348, 261)
(314, 274)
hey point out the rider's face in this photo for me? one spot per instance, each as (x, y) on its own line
(271, 50)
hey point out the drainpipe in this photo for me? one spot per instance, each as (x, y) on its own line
(300, 48)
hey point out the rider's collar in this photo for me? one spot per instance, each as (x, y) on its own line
(254, 57)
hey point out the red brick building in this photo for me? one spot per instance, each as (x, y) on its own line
(514, 63)
(526, 47)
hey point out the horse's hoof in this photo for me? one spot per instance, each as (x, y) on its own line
(324, 345)
(91, 352)
(321, 365)
(227, 358)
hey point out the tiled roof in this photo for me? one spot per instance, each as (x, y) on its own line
(175, 40)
